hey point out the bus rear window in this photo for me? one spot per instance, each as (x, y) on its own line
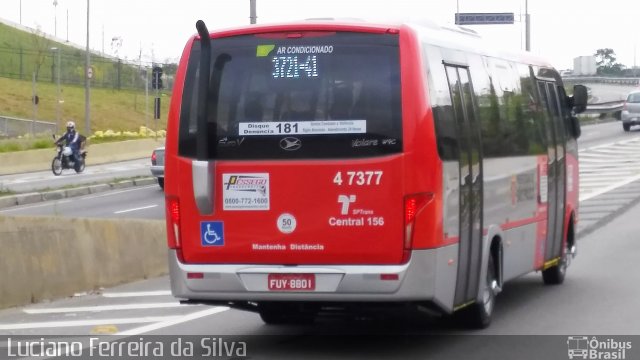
(333, 95)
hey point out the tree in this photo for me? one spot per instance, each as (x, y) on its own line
(606, 61)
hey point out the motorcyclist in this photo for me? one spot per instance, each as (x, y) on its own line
(72, 140)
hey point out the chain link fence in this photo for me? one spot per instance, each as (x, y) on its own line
(14, 127)
(108, 72)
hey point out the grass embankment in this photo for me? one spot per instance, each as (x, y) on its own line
(117, 110)
(23, 52)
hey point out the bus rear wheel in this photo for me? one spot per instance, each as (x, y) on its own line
(555, 275)
(478, 315)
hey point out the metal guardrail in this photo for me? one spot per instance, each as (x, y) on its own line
(601, 80)
(606, 107)
(13, 127)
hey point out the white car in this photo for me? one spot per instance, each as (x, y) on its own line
(157, 165)
(631, 111)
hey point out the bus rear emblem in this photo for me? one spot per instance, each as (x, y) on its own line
(290, 144)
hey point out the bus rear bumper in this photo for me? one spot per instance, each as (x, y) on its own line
(430, 276)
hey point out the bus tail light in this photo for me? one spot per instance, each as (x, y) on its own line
(173, 224)
(413, 204)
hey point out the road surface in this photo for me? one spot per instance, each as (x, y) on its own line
(598, 298)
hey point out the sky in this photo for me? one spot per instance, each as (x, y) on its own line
(157, 30)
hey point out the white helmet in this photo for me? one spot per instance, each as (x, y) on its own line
(71, 125)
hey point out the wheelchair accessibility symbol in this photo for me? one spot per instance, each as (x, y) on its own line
(212, 233)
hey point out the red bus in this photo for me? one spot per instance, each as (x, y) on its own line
(331, 165)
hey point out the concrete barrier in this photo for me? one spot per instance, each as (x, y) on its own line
(52, 257)
(28, 198)
(40, 160)
(53, 195)
(6, 201)
(78, 191)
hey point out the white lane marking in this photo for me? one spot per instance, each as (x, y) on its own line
(170, 322)
(135, 209)
(609, 144)
(92, 322)
(104, 308)
(595, 175)
(109, 193)
(609, 188)
(610, 153)
(137, 294)
(84, 197)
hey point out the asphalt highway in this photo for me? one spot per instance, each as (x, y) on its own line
(598, 298)
(144, 202)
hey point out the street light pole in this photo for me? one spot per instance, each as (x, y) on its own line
(58, 112)
(252, 11)
(67, 25)
(87, 83)
(527, 20)
(55, 18)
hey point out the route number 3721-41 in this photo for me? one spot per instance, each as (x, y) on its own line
(359, 178)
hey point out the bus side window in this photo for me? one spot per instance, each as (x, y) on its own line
(446, 134)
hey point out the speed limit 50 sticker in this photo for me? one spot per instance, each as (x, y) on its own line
(287, 223)
(246, 191)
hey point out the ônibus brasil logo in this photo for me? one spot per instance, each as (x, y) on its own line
(581, 347)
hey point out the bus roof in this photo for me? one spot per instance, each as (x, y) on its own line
(428, 31)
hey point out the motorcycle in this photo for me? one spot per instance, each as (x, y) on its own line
(64, 160)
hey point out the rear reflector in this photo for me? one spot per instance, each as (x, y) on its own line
(389, 277)
(195, 275)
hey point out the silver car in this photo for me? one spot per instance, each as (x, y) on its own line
(157, 165)
(631, 110)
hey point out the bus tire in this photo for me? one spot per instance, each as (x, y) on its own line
(555, 275)
(285, 314)
(478, 315)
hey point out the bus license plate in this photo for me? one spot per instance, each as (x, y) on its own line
(292, 282)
